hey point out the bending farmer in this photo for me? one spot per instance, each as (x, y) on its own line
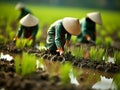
(88, 28)
(59, 34)
(29, 28)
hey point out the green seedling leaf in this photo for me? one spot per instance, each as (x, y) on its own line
(17, 64)
(20, 43)
(25, 65)
(117, 57)
(28, 64)
(79, 52)
(64, 72)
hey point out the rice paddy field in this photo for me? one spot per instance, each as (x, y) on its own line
(48, 14)
(84, 67)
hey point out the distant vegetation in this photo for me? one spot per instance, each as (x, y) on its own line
(104, 4)
(48, 14)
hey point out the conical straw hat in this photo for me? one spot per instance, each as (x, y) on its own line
(95, 17)
(29, 20)
(71, 25)
(19, 6)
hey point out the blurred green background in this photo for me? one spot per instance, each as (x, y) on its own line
(47, 11)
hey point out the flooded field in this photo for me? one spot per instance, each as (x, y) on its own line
(93, 79)
(85, 78)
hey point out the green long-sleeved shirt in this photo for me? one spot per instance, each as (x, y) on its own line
(87, 28)
(26, 32)
(24, 12)
(56, 36)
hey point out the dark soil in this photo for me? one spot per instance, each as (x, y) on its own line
(82, 63)
(79, 62)
(41, 80)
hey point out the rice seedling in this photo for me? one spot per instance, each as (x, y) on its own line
(29, 43)
(79, 52)
(76, 52)
(25, 65)
(105, 57)
(28, 64)
(117, 57)
(17, 64)
(41, 46)
(64, 73)
(68, 73)
(117, 81)
(93, 54)
(20, 43)
(100, 54)
(96, 54)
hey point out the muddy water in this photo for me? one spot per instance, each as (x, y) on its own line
(86, 77)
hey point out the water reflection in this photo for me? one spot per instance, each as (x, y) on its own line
(104, 84)
(6, 57)
(40, 65)
(90, 78)
(111, 59)
(73, 79)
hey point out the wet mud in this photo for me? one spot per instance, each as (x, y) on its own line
(9, 80)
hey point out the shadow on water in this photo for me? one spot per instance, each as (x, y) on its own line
(92, 78)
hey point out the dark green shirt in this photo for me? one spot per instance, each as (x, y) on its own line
(24, 12)
(87, 27)
(26, 32)
(56, 36)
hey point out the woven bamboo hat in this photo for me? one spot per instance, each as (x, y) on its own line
(19, 6)
(95, 17)
(29, 20)
(71, 25)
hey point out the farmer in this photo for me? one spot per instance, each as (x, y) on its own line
(28, 28)
(23, 10)
(88, 27)
(59, 34)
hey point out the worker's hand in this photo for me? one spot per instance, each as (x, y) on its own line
(60, 50)
(30, 38)
(88, 37)
(15, 38)
(67, 43)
